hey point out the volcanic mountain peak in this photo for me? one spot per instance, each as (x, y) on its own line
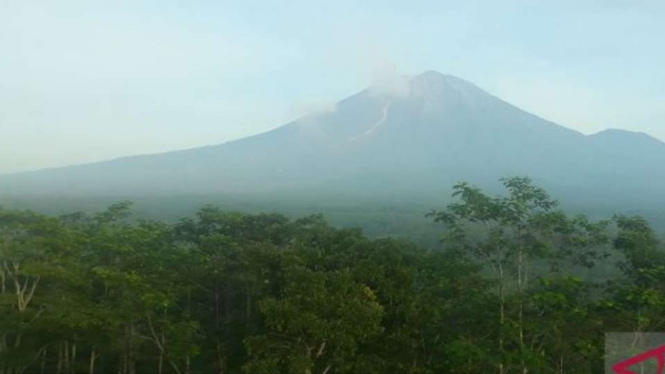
(434, 84)
(409, 136)
(428, 86)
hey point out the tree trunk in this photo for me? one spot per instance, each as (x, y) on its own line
(59, 365)
(220, 357)
(561, 365)
(131, 353)
(502, 317)
(67, 363)
(520, 290)
(43, 361)
(91, 366)
(74, 356)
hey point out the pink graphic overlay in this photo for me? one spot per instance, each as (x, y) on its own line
(635, 353)
(657, 353)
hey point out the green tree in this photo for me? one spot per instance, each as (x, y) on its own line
(513, 236)
(316, 324)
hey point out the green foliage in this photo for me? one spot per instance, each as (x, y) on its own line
(512, 290)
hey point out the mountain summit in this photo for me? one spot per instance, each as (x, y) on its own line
(414, 138)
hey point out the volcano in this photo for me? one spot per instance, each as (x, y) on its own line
(415, 141)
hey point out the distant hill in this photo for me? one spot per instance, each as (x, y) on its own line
(412, 144)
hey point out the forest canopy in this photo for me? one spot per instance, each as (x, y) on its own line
(518, 286)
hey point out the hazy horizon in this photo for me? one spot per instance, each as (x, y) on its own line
(85, 83)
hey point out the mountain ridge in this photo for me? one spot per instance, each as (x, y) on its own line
(427, 75)
(415, 137)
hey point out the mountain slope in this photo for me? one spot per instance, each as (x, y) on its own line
(439, 130)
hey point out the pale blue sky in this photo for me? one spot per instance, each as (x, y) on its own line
(83, 81)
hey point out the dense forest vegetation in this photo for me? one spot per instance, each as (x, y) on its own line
(518, 286)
